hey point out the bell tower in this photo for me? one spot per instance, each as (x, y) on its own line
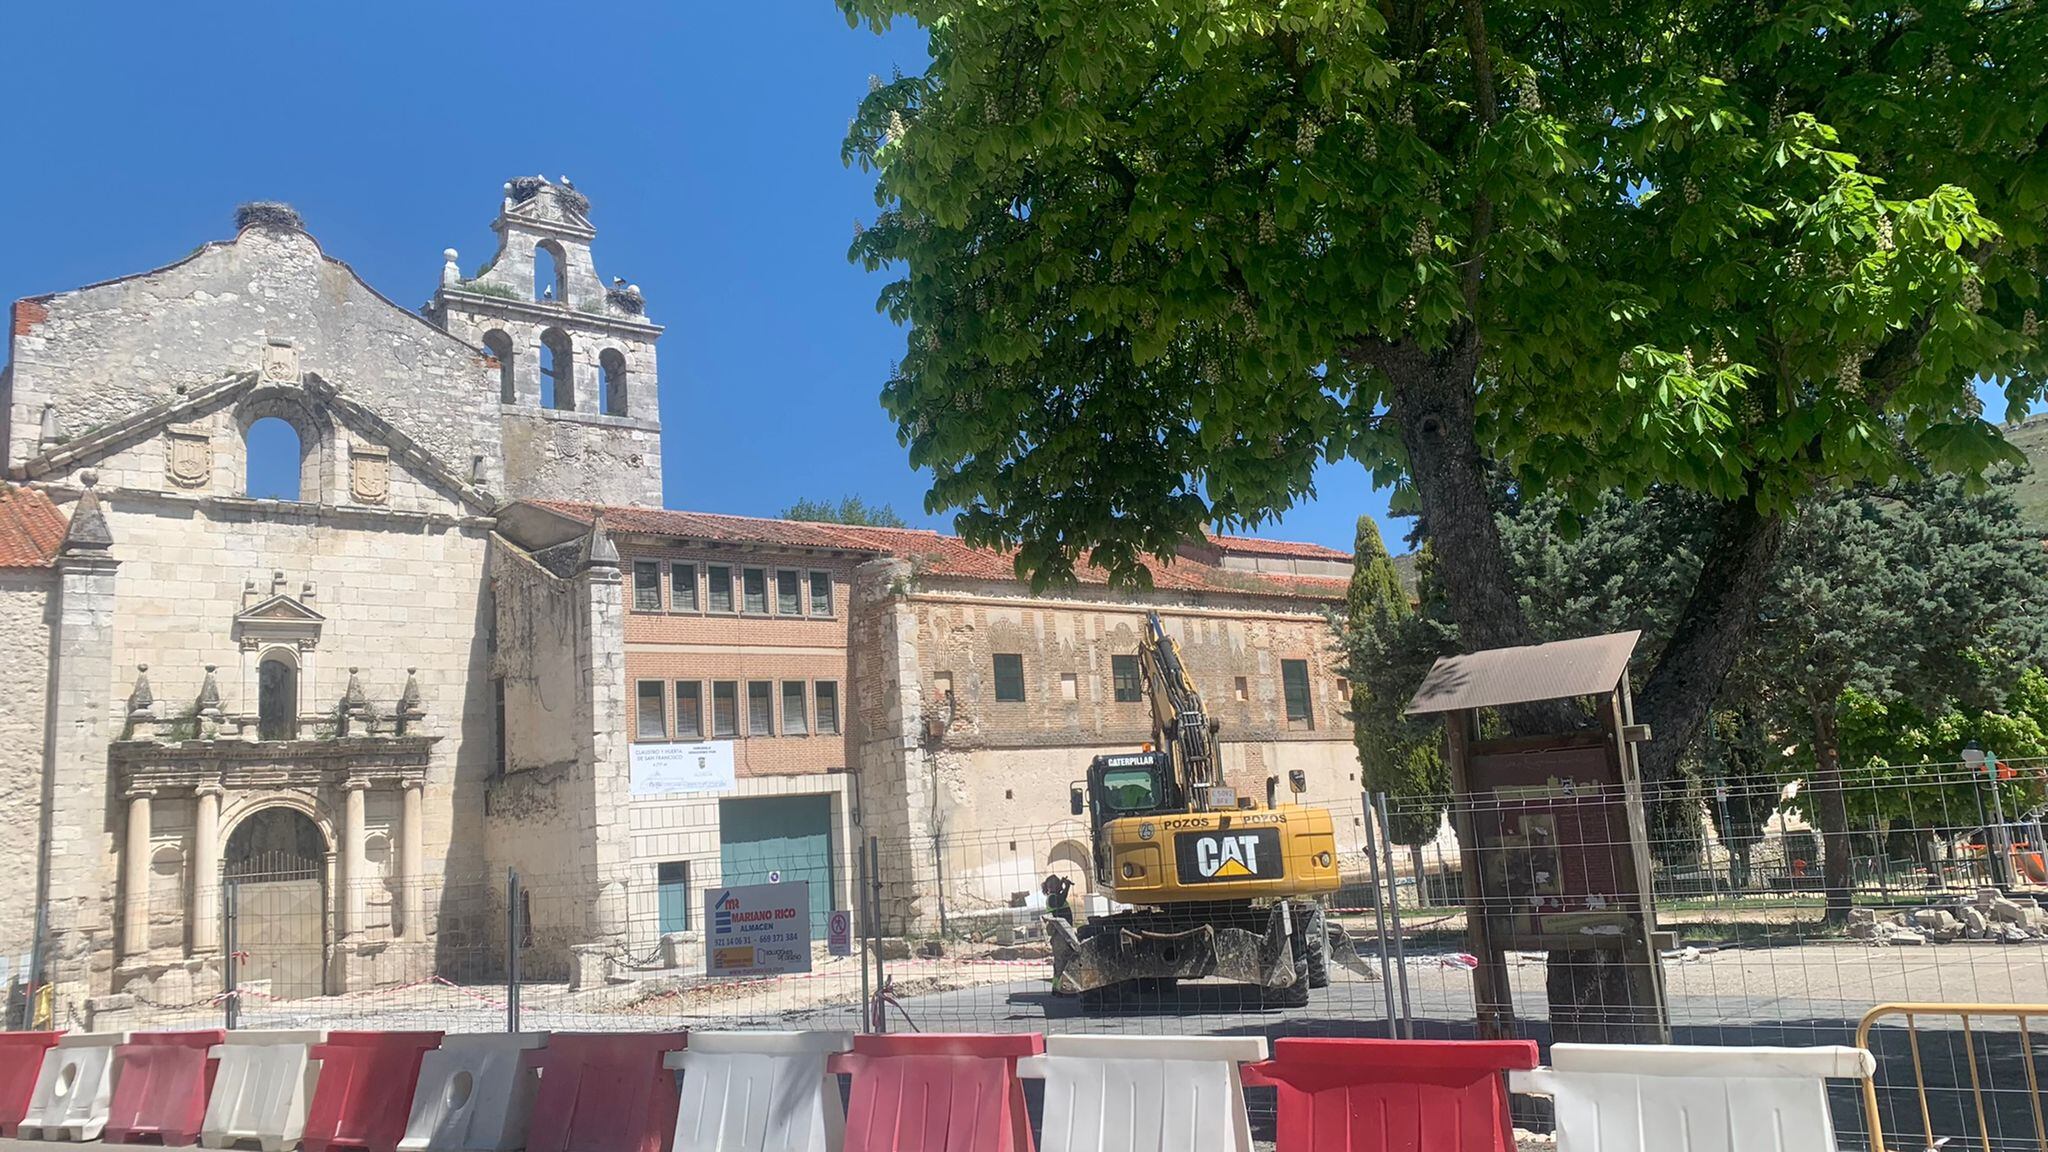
(577, 384)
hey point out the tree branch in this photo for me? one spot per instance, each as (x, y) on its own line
(1489, 113)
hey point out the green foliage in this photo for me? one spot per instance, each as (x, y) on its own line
(849, 510)
(1161, 258)
(477, 288)
(1387, 647)
(1927, 594)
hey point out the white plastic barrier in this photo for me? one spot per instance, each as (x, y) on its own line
(475, 1094)
(1653, 1098)
(1135, 1093)
(262, 1087)
(74, 1088)
(759, 1092)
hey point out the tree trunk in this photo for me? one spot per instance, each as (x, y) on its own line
(1710, 635)
(1740, 880)
(1432, 402)
(1832, 806)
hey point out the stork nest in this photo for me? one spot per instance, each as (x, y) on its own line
(525, 188)
(626, 300)
(268, 214)
(574, 200)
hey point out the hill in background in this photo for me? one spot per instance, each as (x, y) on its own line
(2031, 437)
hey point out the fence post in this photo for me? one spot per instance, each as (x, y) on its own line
(867, 918)
(1379, 910)
(512, 928)
(1883, 858)
(231, 998)
(1386, 838)
(881, 1018)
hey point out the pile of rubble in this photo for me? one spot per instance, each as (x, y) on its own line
(1992, 916)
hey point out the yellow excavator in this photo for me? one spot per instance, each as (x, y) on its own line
(1217, 884)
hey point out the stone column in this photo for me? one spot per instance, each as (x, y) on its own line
(205, 914)
(353, 865)
(135, 878)
(411, 879)
(77, 859)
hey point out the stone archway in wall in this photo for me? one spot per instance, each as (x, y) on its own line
(275, 869)
(1070, 858)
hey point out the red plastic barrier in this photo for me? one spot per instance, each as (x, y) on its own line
(21, 1058)
(162, 1081)
(934, 1092)
(365, 1092)
(1374, 1095)
(605, 1092)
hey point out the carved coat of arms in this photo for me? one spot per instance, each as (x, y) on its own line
(370, 473)
(281, 362)
(189, 462)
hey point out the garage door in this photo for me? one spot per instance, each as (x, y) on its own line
(787, 834)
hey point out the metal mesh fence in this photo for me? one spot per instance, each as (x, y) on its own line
(1930, 902)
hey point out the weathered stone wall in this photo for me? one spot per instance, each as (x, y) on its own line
(102, 353)
(26, 602)
(537, 817)
(576, 456)
(994, 787)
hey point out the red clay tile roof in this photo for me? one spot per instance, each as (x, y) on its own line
(1283, 549)
(31, 528)
(937, 554)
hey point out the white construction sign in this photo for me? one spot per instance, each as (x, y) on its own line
(758, 929)
(665, 769)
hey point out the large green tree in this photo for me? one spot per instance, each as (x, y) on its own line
(849, 510)
(1387, 647)
(1926, 593)
(1160, 259)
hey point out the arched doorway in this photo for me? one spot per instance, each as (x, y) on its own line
(275, 870)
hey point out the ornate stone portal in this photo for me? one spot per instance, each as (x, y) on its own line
(203, 781)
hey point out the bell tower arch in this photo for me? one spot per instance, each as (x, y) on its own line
(580, 403)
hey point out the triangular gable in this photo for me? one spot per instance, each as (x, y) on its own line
(111, 438)
(279, 609)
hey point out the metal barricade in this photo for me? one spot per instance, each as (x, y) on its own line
(1989, 1097)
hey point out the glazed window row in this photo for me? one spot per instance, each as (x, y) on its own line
(730, 589)
(735, 708)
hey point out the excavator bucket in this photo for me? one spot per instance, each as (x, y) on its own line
(1122, 953)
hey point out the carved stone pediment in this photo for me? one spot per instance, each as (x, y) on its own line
(280, 620)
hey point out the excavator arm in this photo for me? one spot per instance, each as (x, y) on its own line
(1181, 727)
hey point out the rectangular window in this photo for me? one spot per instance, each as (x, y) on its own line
(796, 712)
(1123, 679)
(1009, 677)
(789, 593)
(689, 710)
(725, 708)
(828, 707)
(653, 723)
(760, 708)
(646, 586)
(754, 590)
(1294, 683)
(821, 593)
(718, 588)
(672, 888)
(682, 587)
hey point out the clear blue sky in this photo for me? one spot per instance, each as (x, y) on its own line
(707, 137)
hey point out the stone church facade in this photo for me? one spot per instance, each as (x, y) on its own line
(365, 703)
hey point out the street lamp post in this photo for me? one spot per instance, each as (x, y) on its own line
(1985, 763)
